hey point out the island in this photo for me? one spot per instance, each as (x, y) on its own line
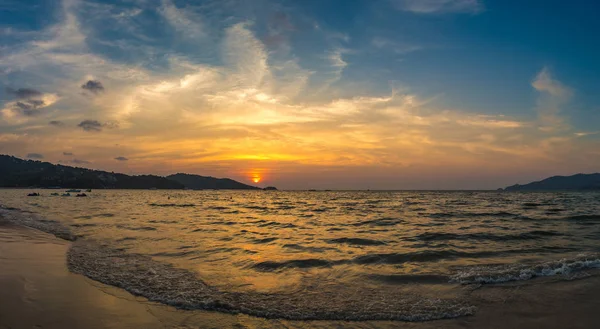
(580, 182)
(197, 182)
(15, 172)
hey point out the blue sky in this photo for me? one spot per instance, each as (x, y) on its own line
(306, 94)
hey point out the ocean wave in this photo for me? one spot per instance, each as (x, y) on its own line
(400, 258)
(257, 207)
(409, 279)
(384, 221)
(263, 223)
(356, 241)
(18, 217)
(436, 255)
(497, 214)
(298, 247)
(175, 254)
(294, 263)
(164, 283)
(136, 228)
(264, 241)
(583, 217)
(176, 205)
(439, 236)
(84, 225)
(520, 272)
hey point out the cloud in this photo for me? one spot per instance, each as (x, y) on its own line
(544, 82)
(397, 47)
(93, 86)
(586, 133)
(183, 21)
(90, 125)
(246, 55)
(67, 154)
(79, 161)
(553, 96)
(56, 123)
(75, 161)
(336, 65)
(121, 159)
(24, 93)
(439, 6)
(29, 103)
(29, 107)
(36, 156)
(95, 125)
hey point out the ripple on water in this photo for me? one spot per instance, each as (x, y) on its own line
(356, 241)
(175, 205)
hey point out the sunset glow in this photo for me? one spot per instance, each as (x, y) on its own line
(318, 103)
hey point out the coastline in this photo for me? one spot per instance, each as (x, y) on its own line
(40, 292)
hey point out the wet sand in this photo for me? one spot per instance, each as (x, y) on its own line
(38, 291)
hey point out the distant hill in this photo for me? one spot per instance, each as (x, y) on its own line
(15, 172)
(575, 182)
(197, 182)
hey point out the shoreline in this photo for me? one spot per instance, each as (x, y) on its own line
(39, 290)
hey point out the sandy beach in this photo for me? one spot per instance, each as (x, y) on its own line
(38, 291)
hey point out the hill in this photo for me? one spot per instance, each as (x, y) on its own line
(15, 172)
(197, 182)
(575, 182)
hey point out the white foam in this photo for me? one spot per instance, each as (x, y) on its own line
(36, 221)
(519, 272)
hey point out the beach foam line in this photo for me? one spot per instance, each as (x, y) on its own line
(520, 272)
(29, 219)
(161, 282)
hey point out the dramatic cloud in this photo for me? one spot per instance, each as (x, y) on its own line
(439, 6)
(232, 89)
(93, 86)
(35, 156)
(67, 153)
(24, 93)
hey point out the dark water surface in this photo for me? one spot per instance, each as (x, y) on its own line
(320, 255)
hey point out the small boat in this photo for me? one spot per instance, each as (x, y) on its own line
(80, 195)
(73, 190)
(66, 194)
(89, 190)
(33, 194)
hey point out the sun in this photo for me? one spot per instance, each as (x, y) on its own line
(256, 179)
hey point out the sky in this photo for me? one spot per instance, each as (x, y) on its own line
(324, 94)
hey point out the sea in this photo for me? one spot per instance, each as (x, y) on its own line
(318, 255)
